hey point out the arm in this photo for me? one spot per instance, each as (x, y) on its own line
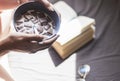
(0, 24)
(3, 49)
(4, 75)
(8, 4)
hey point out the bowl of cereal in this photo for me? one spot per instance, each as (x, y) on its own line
(34, 18)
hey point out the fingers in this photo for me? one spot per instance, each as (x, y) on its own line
(27, 37)
(44, 44)
(49, 41)
(47, 4)
(34, 37)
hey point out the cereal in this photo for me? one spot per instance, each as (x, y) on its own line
(35, 22)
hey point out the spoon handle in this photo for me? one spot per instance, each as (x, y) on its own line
(80, 79)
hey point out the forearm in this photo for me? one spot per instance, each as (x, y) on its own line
(4, 75)
(3, 52)
(3, 47)
(8, 4)
(0, 25)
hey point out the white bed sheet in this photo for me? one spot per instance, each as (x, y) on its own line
(40, 67)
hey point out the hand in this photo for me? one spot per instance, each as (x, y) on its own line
(47, 4)
(26, 42)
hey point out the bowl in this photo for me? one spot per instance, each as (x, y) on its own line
(35, 18)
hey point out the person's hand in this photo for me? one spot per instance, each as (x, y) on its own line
(46, 3)
(26, 42)
(49, 6)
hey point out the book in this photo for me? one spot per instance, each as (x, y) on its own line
(75, 31)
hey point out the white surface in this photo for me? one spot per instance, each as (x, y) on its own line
(40, 67)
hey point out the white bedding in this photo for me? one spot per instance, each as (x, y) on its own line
(40, 67)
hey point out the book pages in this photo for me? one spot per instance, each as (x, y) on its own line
(70, 47)
(67, 13)
(72, 29)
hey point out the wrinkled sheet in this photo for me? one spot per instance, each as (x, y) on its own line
(42, 66)
(102, 53)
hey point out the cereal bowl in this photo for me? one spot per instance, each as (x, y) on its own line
(34, 18)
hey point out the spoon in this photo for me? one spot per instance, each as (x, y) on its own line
(83, 70)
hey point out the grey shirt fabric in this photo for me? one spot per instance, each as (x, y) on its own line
(103, 52)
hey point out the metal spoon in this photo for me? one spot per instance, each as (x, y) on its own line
(80, 79)
(83, 70)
